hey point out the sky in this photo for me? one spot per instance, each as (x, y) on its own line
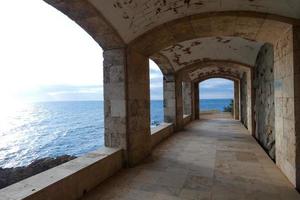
(45, 56)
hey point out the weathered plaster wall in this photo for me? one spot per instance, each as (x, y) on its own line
(264, 112)
(243, 86)
(132, 18)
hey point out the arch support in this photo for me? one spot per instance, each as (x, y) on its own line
(187, 97)
(173, 104)
(127, 103)
(196, 97)
(236, 101)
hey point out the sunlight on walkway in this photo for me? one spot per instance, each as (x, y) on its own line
(214, 158)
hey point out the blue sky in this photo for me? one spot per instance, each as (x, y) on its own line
(47, 57)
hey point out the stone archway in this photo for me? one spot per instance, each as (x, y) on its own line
(130, 36)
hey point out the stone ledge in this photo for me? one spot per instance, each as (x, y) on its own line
(186, 119)
(70, 180)
(160, 133)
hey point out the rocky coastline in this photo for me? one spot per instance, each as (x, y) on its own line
(10, 176)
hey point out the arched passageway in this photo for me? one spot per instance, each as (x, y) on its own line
(255, 43)
(185, 33)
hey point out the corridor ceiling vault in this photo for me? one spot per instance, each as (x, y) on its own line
(131, 18)
(216, 48)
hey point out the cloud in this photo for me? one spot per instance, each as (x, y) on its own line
(156, 82)
(65, 93)
(52, 64)
(216, 88)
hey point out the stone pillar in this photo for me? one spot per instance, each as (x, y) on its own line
(243, 100)
(127, 103)
(287, 105)
(187, 97)
(114, 79)
(173, 104)
(296, 74)
(196, 100)
(236, 102)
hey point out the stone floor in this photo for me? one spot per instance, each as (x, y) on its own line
(212, 159)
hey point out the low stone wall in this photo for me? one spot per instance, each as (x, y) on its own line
(9, 176)
(160, 133)
(75, 178)
(186, 119)
(70, 180)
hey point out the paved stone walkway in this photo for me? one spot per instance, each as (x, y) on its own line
(213, 159)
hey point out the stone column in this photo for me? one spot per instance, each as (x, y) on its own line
(236, 102)
(127, 103)
(187, 97)
(173, 104)
(296, 74)
(196, 100)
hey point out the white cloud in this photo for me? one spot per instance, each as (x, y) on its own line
(216, 88)
(40, 46)
(156, 82)
(43, 51)
(215, 83)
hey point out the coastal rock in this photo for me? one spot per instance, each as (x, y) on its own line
(9, 176)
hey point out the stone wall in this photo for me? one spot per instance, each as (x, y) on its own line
(296, 71)
(236, 108)
(173, 102)
(243, 86)
(127, 103)
(264, 113)
(284, 105)
(187, 97)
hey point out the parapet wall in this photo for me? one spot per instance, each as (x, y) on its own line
(70, 180)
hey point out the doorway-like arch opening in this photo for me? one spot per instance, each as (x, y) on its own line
(156, 95)
(216, 95)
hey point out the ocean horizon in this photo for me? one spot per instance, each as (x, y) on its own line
(50, 129)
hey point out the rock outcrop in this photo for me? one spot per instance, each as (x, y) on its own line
(9, 176)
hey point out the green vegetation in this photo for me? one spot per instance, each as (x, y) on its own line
(229, 108)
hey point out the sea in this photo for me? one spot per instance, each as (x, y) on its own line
(49, 129)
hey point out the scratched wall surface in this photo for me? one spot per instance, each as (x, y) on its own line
(132, 18)
(225, 71)
(213, 48)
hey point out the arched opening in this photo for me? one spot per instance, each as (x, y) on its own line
(216, 95)
(156, 95)
(182, 34)
(51, 83)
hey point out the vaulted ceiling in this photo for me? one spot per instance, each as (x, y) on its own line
(177, 34)
(232, 71)
(217, 48)
(132, 18)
